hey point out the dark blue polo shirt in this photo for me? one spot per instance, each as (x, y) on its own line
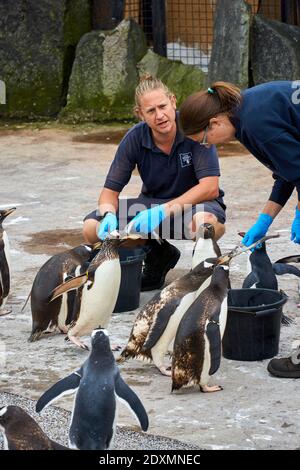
(164, 176)
(268, 124)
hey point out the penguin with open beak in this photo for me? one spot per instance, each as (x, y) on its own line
(21, 432)
(4, 262)
(156, 324)
(98, 385)
(99, 288)
(48, 316)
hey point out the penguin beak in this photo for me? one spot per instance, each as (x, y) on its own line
(8, 212)
(241, 249)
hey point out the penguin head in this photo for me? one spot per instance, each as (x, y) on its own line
(100, 339)
(10, 413)
(206, 231)
(5, 212)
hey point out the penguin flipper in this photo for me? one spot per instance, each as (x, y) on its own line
(72, 284)
(125, 393)
(250, 280)
(4, 277)
(65, 386)
(282, 268)
(214, 338)
(160, 323)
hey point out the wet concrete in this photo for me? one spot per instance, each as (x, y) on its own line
(54, 182)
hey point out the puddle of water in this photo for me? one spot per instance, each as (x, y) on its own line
(104, 137)
(51, 242)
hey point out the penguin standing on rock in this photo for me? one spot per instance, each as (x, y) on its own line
(21, 432)
(4, 262)
(156, 324)
(48, 316)
(198, 341)
(97, 385)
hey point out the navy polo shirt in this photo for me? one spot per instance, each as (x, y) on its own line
(268, 124)
(164, 176)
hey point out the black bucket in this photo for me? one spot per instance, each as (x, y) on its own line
(253, 324)
(131, 278)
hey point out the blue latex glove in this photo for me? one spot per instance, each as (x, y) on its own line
(146, 221)
(258, 230)
(107, 225)
(295, 232)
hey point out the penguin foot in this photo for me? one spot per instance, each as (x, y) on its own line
(63, 330)
(5, 311)
(165, 371)
(116, 347)
(213, 388)
(79, 343)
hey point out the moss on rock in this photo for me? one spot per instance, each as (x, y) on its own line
(181, 79)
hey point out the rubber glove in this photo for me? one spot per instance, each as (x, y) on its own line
(146, 221)
(258, 230)
(108, 224)
(295, 232)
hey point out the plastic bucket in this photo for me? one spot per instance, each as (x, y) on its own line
(131, 277)
(252, 330)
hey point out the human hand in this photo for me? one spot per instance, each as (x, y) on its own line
(146, 221)
(108, 224)
(258, 230)
(295, 232)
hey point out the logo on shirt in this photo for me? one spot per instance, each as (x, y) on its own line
(186, 159)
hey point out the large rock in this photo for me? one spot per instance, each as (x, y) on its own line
(104, 74)
(37, 42)
(275, 50)
(230, 53)
(181, 79)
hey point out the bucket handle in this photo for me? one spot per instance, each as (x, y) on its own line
(262, 313)
(259, 313)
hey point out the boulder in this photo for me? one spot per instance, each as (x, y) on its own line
(181, 79)
(230, 52)
(104, 74)
(275, 50)
(37, 40)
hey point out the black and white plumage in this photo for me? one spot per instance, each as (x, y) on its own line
(156, 324)
(4, 262)
(98, 385)
(48, 316)
(21, 432)
(197, 345)
(98, 287)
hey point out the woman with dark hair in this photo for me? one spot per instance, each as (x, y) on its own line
(266, 119)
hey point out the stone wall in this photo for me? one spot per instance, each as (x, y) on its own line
(37, 42)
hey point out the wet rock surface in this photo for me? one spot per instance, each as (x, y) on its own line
(54, 181)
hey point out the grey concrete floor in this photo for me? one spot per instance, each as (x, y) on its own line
(53, 178)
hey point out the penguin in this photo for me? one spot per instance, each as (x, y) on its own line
(4, 262)
(263, 273)
(97, 385)
(21, 432)
(156, 324)
(99, 291)
(48, 316)
(205, 246)
(198, 341)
